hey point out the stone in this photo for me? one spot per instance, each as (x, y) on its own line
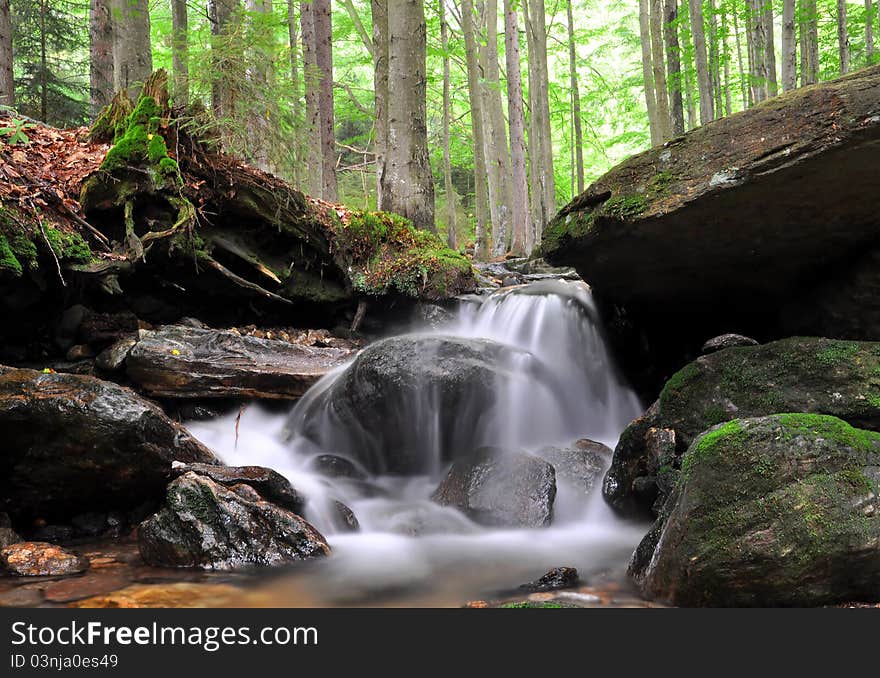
(334, 466)
(8, 536)
(269, 484)
(39, 559)
(582, 466)
(554, 580)
(112, 358)
(726, 341)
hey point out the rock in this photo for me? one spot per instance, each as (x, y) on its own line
(345, 518)
(500, 488)
(334, 466)
(8, 536)
(554, 580)
(79, 352)
(113, 357)
(186, 362)
(74, 444)
(204, 524)
(739, 226)
(270, 485)
(367, 412)
(726, 341)
(101, 329)
(770, 511)
(432, 316)
(581, 466)
(799, 374)
(39, 559)
(68, 325)
(90, 524)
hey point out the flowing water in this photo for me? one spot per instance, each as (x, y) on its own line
(560, 386)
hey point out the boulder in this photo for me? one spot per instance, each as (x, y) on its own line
(187, 362)
(798, 374)
(207, 525)
(498, 487)
(113, 357)
(726, 341)
(367, 412)
(270, 484)
(74, 444)
(770, 511)
(334, 466)
(738, 226)
(554, 580)
(39, 559)
(581, 465)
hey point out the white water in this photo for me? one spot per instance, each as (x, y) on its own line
(409, 544)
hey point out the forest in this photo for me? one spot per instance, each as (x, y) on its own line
(507, 109)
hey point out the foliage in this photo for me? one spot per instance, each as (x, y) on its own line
(15, 132)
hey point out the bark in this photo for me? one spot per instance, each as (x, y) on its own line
(658, 63)
(132, 52)
(7, 81)
(648, 73)
(516, 115)
(757, 52)
(180, 52)
(744, 88)
(293, 37)
(725, 58)
(842, 37)
(324, 62)
(313, 165)
(789, 47)
(481, 197)
(100, 54)
(223, 15)
(769, 49)
(44, 104)
(408, 185)
(258, 123)
(379, 10)
(576, 103)
(714, 58)
(810, 67)
(869, 31)
(448, 188)
(704, 76)
(673, 61)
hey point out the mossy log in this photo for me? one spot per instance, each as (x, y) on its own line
(731, 227)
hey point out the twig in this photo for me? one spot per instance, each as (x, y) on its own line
(241, 410)
(54, 256)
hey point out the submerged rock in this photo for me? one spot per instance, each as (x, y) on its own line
(74, 444)
(205, 524)
(500, 488)
(39, 559)
(778, 510)
(188, 362)
(799, 374)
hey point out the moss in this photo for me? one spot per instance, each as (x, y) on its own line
(157, 151)
(707, 444)
(127, 151)
(658, 185)
(837, 352)
(626, 207)
(678, 381)
(68, 246)
(833, 429)
(25, 251)
(9, 263)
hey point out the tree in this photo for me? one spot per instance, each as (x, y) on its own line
(224, 55)
(408, 185)
(869, 31)
(326, 120)
(179, 51)
(704, 77)
(842, 37)
(648, 73)
(100, 55)
(448, 188)
(313, 160)
(379, 11)
(769, 48)
(659, 70)
(673, 62)
(132, 51)
(789, 47)
(757, 51)
(575, 101)
(296, 104)
(809, 28)
(7, 81)
(516, 115)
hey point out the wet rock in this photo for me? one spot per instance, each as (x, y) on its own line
(269, 484)
(112, 358)
(204, 524)
(73, 444)
(39, 559)
(554, 580)
(432, 316)
(79, 352)
(334, 466)
(8, 536)
(101, 329)
(187, 362)
(770, 511)
(726, 341)
(798, 374)
(581, 465)
(345, 518)
(500, 488)
(68, 325)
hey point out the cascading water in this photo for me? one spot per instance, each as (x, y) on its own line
(521, 370)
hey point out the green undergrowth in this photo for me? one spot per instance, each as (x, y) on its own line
(24, 238)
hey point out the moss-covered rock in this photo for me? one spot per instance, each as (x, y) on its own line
(799, 374)
(777, 510)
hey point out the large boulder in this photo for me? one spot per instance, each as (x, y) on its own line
(186, 362)
(368, 411)
(737, 226)
(205, 524)
(798, 374)
(500, 487)
(778, 510)
(73, 444)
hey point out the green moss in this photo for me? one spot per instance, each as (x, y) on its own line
(68, 246)
(708, 443)
(837, 352)
(626, 206)
(157, 151)
(146, 113)
(659, 184)
(9, 263)
(130, 150)
(831, 428)
(25, 250)
(678, 382)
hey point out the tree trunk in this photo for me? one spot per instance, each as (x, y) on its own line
(516, 115)
(44, 105)
(481, 198)
(313, 165)
(704, 77)
(842, 37)
(789, 47)
(326, 120)
(259, 59)
(673, 61)
(379, 11)
(359, 25)
(869, 31)
(725, 58)
(179, 52)
(757, 51)
(714, 58)
(658, 63)
(811, 63)
(576, 103)
(408, 182)
(7, 80)
(222, 13)
(448, 188)
(132, 52)
(769, 49)
(100, 54)
(297, 146)
(648, 73)
(744, 89)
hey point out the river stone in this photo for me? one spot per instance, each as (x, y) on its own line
(581, 465)
(334, 466)
(554, 580)
(8, 536)
(39, 559)
(204, 524)
(113, 357)
(74, 444)
(798, 374)
(498, 487)
(770, 511)
(726, 341)
(188, 362)
(367, 413)
(271, 485)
